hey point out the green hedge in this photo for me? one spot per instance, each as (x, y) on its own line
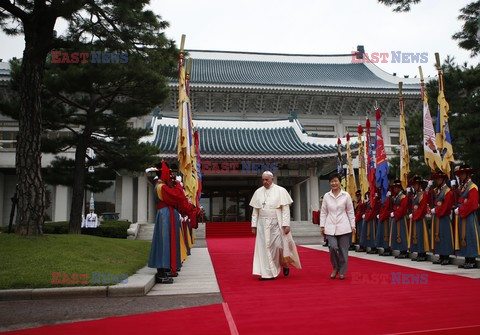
(112, 229)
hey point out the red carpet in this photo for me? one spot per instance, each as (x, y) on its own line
(205, 320)
(307, 302)
(366, 302)
(228, 229)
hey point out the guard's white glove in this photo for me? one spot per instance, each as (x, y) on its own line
(432, 211)
(389, 193)
(150, 169)
(453, 182)
(392, 214)
(456, 211)
(378, 216)
(409, 190)
(363, 216)
(430, 183)
(410, 216)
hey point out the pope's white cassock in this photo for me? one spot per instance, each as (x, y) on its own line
(273, 248)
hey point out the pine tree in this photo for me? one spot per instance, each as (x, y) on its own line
(92, 100)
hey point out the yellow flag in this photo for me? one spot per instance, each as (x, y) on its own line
(351, 182)
(362, 170)
(404, 155)
(186, 146)
(444, 140)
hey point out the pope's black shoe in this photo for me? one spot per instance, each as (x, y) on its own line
(286, 271)
(261, 278)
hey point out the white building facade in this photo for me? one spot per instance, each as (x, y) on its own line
(252, 111)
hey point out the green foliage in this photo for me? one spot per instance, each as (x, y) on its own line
(400, 5)
(110, 229)
(469, 36)
(28, 262)
(92, 103)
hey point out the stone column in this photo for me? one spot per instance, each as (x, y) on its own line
(314, 193)
(118, 194)
(126, 212)
(152, 210)
(60, 209)
(142, 200)
(296, 203)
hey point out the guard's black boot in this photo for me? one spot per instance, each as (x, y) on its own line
(161, 277)
(387, 252)
(422, 257)
(469, 263)
(169, 273)
(446, 260)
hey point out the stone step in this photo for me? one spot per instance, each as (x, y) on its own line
(299, 229)
(145, 231)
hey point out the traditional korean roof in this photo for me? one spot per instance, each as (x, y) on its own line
(284, 71)
(279, 139)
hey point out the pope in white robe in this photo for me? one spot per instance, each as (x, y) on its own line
(274, 245)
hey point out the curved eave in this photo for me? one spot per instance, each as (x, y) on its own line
(206, 157)
(305, 89)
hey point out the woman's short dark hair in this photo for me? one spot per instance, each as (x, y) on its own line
(334, 175)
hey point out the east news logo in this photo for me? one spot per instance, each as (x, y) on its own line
(85, 57)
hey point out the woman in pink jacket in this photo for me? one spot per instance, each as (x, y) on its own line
(337, 222)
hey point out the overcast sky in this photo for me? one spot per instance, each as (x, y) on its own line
(309, 27)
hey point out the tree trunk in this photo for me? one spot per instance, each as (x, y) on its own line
(31, 192)
(78, 186)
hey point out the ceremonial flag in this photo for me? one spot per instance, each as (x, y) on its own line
(340, 164)
(351, 182)
(339, 158)
(444, 140)
(362, 173)
(430, 150)
(404, 155)
(381, 158)
(370, 161)
(199, 169)
(186, 146)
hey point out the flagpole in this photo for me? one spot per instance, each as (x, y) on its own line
(187, 77)
(404, 154)
(441, 89)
